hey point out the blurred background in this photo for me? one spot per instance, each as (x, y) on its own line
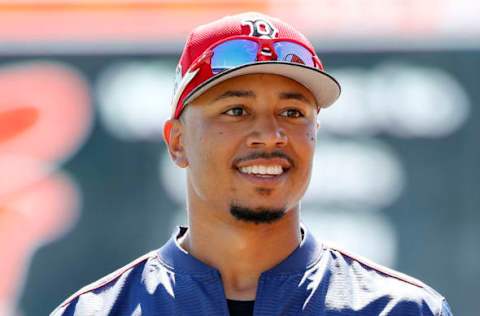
(86, 185)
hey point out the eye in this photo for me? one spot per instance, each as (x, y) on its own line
(293, 113)
(236, 111)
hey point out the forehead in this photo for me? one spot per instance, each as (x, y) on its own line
(260, 84)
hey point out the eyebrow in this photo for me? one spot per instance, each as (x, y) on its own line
(236, 93)
(294, 96)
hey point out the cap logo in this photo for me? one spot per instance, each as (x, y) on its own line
(178, 78)
(181, 84)
(261, 28)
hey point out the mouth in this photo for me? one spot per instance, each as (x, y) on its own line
(264, 171)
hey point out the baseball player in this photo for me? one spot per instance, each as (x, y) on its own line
(244, 124)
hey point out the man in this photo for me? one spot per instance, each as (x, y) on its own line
(244, 125)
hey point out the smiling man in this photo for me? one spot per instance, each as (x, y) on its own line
(244, 125)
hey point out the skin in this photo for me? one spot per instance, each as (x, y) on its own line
(212, 133)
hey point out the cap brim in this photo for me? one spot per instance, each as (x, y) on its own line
(323, 86)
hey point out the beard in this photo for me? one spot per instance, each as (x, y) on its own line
(260, 215)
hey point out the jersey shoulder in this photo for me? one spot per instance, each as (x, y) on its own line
(105, 281)
(383, 281)
(371, 265)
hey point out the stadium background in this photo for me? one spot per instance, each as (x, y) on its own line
(86, 184)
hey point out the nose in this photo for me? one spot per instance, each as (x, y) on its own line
(266, 132)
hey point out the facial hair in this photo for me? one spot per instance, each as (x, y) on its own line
(257, 216)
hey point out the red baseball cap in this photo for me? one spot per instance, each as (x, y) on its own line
(192, 79)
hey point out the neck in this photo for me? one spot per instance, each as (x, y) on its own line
(241, 251)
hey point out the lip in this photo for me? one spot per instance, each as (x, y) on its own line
(263, 181)
(284, 163)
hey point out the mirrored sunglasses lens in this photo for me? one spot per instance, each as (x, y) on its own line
(294, 53)
(232, 54)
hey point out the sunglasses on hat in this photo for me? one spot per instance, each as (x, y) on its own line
(241, 50)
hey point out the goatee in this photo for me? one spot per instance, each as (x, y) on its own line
(259, 215)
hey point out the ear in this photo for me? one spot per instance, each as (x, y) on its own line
(173, 134)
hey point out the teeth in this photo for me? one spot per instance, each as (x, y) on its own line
(266, 170)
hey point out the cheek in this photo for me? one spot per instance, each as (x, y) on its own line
(303, 139)
(210, 153)
(202, 172)
(304, 142)
(311, 134)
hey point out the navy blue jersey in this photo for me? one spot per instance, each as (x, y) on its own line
(316, 279)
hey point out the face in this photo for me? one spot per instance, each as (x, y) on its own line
(247, 144)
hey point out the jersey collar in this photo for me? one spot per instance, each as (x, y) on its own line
(304, 256)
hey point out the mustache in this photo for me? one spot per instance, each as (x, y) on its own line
(264, 155)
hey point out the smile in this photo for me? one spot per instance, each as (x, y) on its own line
(262, 170)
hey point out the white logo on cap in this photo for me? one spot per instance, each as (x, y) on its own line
(181, 85)
(178, 78)
(261, 28)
